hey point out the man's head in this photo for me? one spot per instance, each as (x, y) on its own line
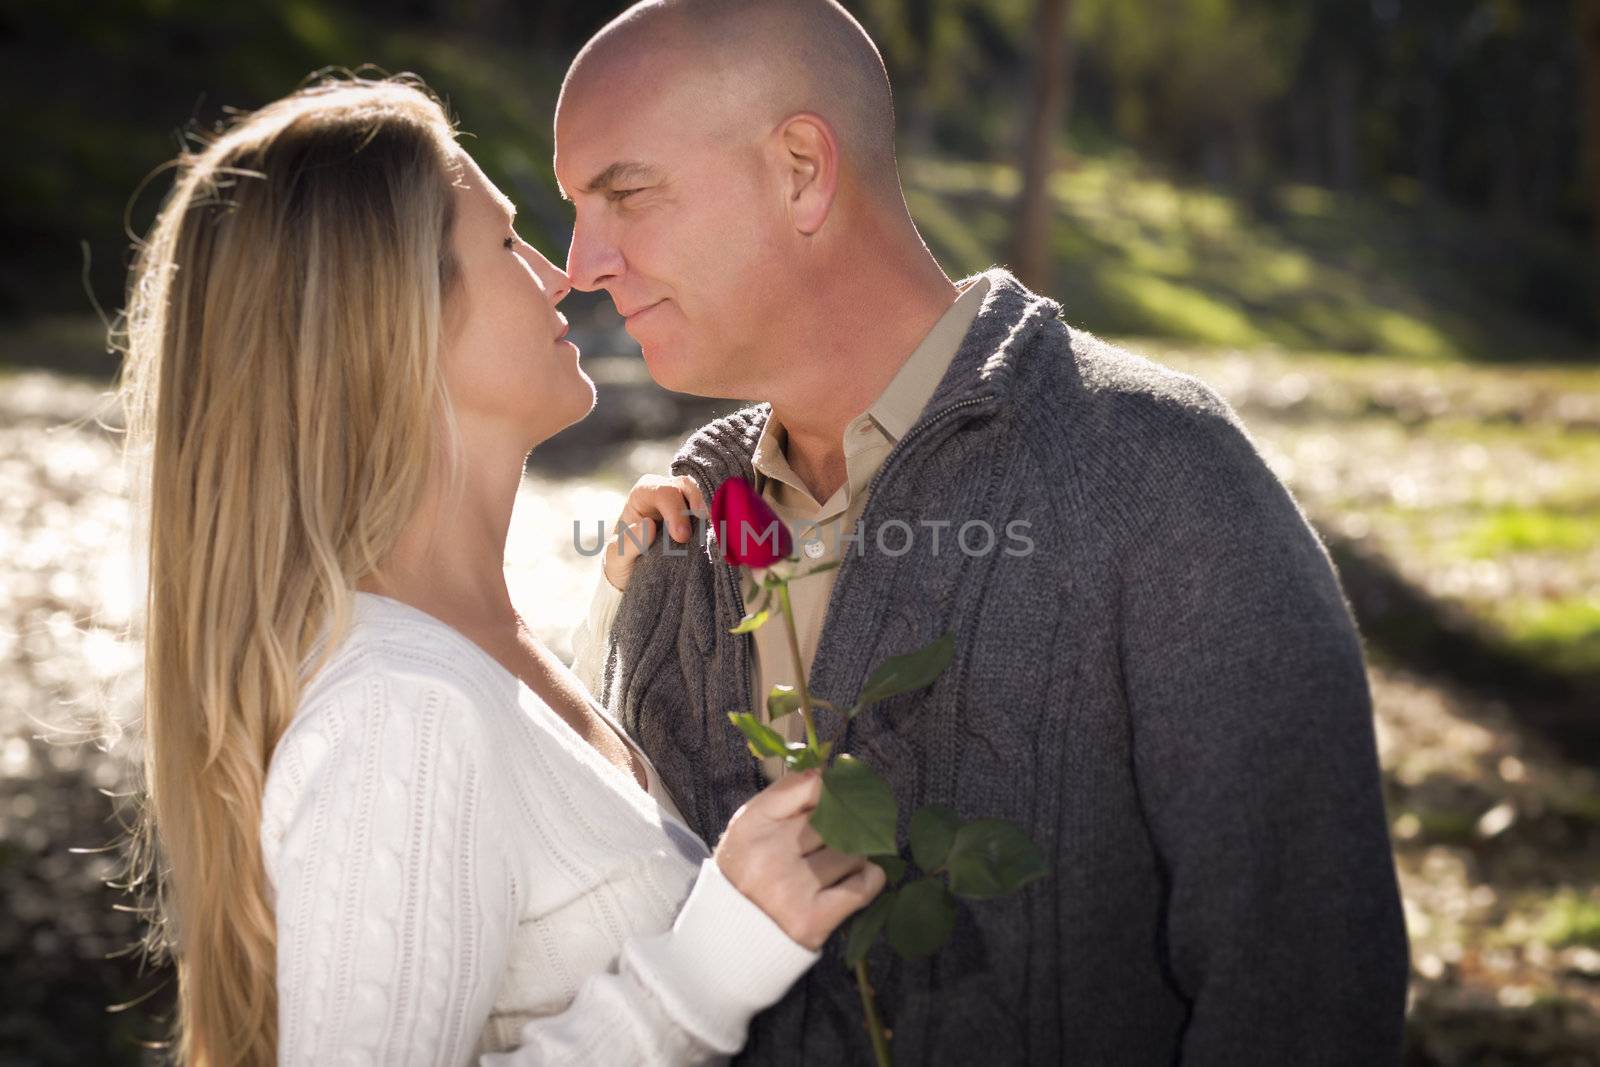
(716, 152)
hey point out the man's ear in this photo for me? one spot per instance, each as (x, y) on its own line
(810, 157)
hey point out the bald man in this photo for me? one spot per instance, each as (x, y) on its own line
(1156, 673)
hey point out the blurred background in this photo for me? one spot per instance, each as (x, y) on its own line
(1373, 225)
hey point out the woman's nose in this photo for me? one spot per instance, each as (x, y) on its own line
(552, 279)
(555, 281)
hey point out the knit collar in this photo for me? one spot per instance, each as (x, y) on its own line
(982, 371)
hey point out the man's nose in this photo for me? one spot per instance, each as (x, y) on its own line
(592, 260)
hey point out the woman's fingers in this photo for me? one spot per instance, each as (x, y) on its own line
(669, 499)
(807, 837)
(636, 536)
(829, 866)
(654, 502)
(789, 796)
(852, 893)
(772, 855)
(691, 493)
(631, 541)
(674, 511)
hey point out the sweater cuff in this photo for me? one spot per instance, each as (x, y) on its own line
(723, 960)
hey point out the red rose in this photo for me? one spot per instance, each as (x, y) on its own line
(751, 532)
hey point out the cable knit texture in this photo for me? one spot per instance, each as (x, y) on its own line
(456, 874)
(1168, 692)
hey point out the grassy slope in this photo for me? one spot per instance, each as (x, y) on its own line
(1303, 268)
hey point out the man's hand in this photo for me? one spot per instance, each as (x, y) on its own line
(654, 500)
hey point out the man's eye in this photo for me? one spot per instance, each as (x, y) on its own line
(623, 194)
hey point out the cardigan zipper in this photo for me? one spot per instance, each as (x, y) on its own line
(888, 463)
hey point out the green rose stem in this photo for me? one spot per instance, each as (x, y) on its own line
(869, 1008)
(869, 1005)
(799, 670)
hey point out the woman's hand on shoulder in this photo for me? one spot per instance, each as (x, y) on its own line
(655, 500)
(772, 855)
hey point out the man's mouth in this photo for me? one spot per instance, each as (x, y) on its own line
(631, 315)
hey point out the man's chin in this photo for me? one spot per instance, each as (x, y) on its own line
(680, 371)
(665, 364)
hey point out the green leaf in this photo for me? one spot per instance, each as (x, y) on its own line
(913, 670)
(893, 866)
(921, 918)
(864, 928)
(856, 812)
(933, 830)
(783, 700)
(764, 740)
(801, 757)
(990, 857)
(751, 623)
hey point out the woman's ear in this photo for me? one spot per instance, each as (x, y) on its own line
(810, 156)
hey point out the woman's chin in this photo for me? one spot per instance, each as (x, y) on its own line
(581, 401)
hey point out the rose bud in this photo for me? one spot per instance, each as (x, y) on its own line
(753, 535)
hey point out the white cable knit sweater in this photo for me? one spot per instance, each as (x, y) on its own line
(457, 874)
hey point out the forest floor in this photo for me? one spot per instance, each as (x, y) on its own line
(1460, 502)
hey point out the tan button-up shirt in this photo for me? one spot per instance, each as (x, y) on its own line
(822, 529)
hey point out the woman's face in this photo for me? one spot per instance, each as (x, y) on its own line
(511, 374)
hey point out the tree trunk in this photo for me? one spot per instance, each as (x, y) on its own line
(1342, 88)
(1589, 30)
(1048, 100)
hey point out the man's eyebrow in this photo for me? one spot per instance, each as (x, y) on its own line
(620, 174)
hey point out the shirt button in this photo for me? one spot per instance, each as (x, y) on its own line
(814, 549)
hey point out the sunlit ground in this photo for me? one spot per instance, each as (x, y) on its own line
(1462, 503)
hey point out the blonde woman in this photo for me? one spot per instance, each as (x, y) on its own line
(385, 824)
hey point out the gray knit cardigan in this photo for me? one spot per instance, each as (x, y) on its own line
(1167, 691)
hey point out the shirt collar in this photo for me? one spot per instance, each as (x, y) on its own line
(908, 392)
(914, 384)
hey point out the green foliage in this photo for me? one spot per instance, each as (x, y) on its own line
(1138, 254)
(1524, 529)
(1240, 92)
(856, 812)
(751, 623)
(764, 741)
(903, 673)
(783, 700)
(1561, 633)
(866, 926)
(921, 919)
(1572, 920)
(933, 831)
(90, 141)
(1189, 67)
(893, 866)
(990, 857)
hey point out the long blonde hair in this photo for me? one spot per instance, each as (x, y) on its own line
(285, 409)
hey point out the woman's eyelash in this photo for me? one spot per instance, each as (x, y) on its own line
(509, 243)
